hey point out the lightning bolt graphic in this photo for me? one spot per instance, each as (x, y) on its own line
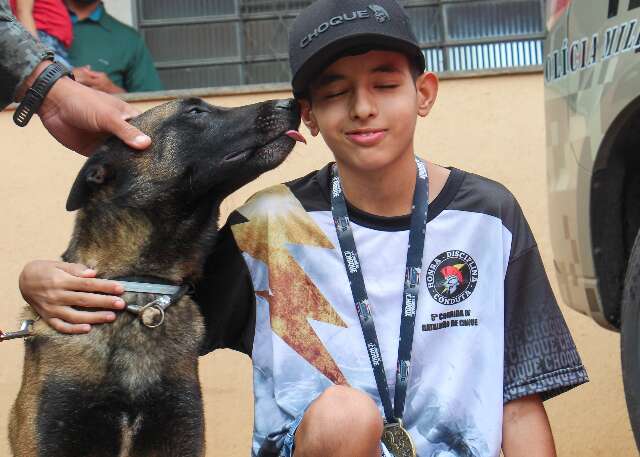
(275, 219)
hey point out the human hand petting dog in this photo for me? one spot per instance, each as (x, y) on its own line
(81, 118)
(54, 290)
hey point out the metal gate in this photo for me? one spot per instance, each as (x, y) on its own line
(206, 43)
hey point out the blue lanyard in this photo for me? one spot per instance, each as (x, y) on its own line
(411, 287)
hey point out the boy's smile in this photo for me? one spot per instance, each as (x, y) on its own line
(366, 137)
(366, 106)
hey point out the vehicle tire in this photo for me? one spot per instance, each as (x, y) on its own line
(630, 338)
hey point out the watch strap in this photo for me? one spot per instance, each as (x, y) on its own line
(36, 93)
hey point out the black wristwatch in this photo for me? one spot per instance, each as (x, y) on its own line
(36, 93)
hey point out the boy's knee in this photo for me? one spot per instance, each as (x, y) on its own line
(341, 417)
(348, 406)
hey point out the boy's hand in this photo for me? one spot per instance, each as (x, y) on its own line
(54, 289)
(525, 429)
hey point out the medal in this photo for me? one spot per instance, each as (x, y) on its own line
(395, 437)
(398, 441)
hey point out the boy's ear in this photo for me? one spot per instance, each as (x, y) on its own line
(427, 88)
(306, 113)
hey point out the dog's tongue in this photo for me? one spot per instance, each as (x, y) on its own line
(295, 135)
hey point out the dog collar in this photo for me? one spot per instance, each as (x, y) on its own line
(152, 314)
(148, 288)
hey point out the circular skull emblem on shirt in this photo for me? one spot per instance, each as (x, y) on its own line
(452, 277)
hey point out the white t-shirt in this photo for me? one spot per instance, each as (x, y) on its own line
(488, 328)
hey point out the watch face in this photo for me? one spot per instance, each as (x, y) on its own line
(452, 277)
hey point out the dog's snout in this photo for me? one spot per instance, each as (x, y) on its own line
(289, 104)
(275, 117)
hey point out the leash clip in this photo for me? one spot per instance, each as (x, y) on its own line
(158, 305)
(152, 314)
(24, 332)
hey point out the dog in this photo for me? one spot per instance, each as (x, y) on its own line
(131, 388)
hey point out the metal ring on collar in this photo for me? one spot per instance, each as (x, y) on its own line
(148, 306)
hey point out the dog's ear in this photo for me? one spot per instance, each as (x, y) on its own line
(91, 177)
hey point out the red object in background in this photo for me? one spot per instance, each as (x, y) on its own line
(555, 8)
(52, 17)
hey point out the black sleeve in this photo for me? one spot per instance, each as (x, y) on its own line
(540, 356)
(226, 298)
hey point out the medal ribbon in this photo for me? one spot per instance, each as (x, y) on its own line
(411, 287)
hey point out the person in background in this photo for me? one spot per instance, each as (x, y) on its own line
(49, 22)
(108, 55)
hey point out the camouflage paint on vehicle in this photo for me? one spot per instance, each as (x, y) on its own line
(592, 72)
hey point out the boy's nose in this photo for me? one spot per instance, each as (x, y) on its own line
(363, 105)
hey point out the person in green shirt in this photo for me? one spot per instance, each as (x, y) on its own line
(108, 55)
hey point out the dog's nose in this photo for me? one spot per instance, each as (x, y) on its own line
(289, 104)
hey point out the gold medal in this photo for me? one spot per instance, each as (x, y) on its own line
(398, 441)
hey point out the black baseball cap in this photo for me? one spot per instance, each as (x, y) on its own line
(331, 28)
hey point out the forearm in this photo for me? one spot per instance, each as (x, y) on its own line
(24, 13)
(20, 54)
(525, 429)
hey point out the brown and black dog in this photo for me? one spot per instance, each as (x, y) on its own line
(124, 389)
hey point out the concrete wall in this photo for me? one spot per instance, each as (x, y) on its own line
(493, 126)
(122, 10)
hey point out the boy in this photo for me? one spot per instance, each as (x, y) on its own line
(304, 272)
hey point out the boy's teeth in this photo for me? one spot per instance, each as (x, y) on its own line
(295, 135)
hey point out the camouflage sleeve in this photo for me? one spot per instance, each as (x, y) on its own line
(20, 53)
